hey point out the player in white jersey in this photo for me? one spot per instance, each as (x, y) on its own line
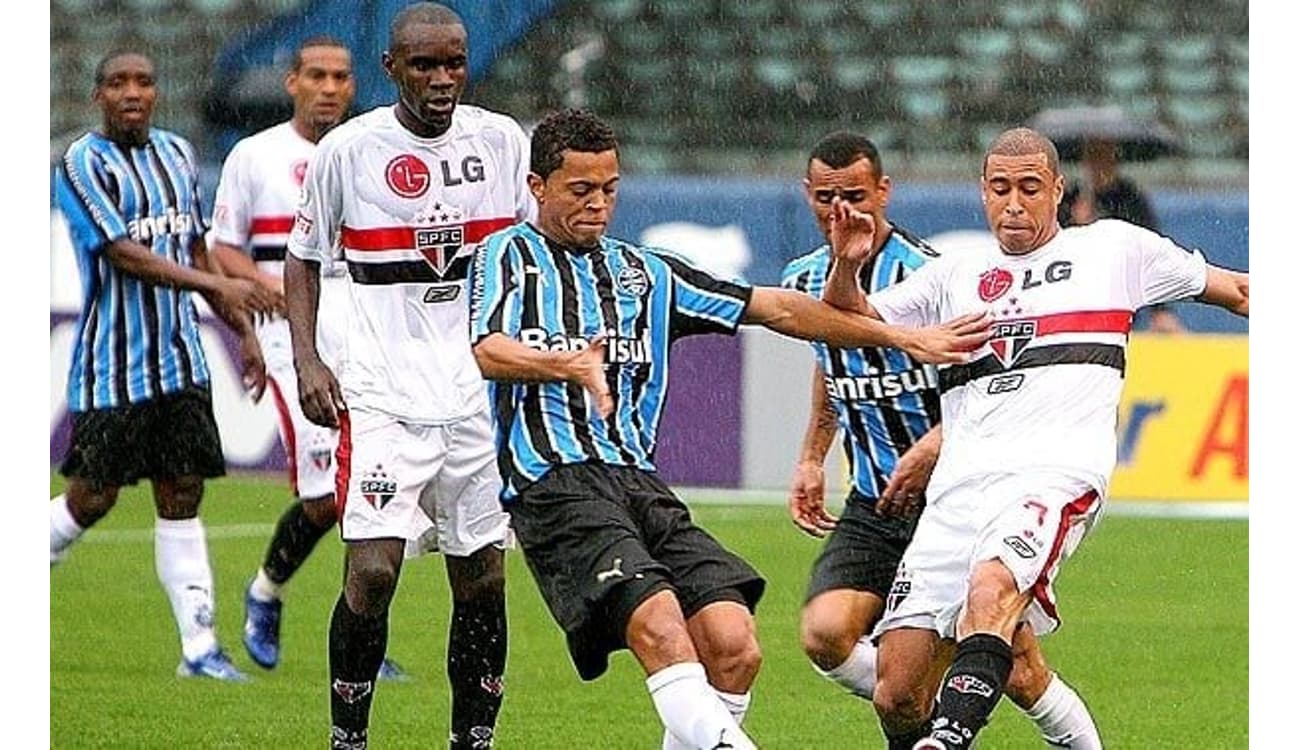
(1028, 424)
(256, 198)
(402, 194)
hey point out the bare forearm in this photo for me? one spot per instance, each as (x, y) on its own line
(236, 263)
(1227, 289)
(842, 289)
(803, 317)
(136, 260)
(822, 423)
(502, 358)
(302, 297)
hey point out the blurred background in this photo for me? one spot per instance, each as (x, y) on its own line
(717, 103)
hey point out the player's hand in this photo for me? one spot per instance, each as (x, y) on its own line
(252, 366)
(275, 287)
(905, 493)
(319, 393)
(244, 297)
(951, 342)
(588, 370)
(807, 499)
(853, 233)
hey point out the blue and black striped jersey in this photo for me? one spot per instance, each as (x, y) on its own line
(557, 299)
(135, 341)
(885, 401)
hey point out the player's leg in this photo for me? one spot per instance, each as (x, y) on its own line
(1019, 553)
(909, 665)
(716, 589)
(846, 594)
(1056, 709)
(102, 457)
(310, 449)
(471, 529)
(383, 468)
(358, 636)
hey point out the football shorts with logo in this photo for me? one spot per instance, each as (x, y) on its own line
(435, 486)
(1031, 521)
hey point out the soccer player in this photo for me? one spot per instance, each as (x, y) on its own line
(1029, 425)
(256, 197)
(887, 404)
(558, 307)
(406, 192)
(138, 383)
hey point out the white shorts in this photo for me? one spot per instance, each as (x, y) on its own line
(436, 486)
(308, 446)
(1032, 522)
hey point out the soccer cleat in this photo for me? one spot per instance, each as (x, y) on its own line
(262, 630)
(214, 664)
(391, 672)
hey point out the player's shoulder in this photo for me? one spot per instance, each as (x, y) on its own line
(174, 140)
(475, 117)
(1107, 235)
(346, 133)
(912, 249)
(501, 240)
(89, 144)
(815, 260)
(265, 138)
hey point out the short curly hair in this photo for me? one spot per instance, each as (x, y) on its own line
(568, 130)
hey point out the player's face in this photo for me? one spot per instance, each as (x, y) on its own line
(1020, 196)
(321, 87)
(429, 64)
(857, 183)
(576, 201)
(126, 96)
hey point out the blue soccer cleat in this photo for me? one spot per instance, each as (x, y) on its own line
(390, 671)
(262, 630)
(214, 665)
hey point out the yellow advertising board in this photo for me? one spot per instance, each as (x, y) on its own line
(1183, 419)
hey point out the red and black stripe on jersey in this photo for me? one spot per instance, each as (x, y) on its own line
(357, 243)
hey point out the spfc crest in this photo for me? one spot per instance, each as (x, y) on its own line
(1010, 339)
(442, 240)
(378, 488)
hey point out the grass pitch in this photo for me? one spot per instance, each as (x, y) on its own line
(1155, 639)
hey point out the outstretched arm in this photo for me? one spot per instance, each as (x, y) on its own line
(319, 393)
(1227, 289)
(502, 358)
(807, 499)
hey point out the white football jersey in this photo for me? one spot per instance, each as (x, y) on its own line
(406, 214)
(1044, 392)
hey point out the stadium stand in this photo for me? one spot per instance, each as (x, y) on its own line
(736, 86)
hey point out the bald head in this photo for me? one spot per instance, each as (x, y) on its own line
(1024, 142)
(433, 14)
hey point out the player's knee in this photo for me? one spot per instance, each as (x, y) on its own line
(899, 703)
(179, 498)
(321, 512)
(824, 640)
(370, 586)
(656, 633)
(735, 664)
(87, 504)
(1029, 678)
(478, 577)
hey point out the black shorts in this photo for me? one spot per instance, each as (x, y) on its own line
(862, 552)
(174, 435)
(601, 539)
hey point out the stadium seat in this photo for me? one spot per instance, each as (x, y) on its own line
(1180, 79)
(1126, 79)
(921, 70)
(213, 7)
(1044, 48)
(680, 11)
(818, 14)
(751, 11)
(1024, 13)
(883, 15)
(617, 11)
(1188, 50)
(853, 74)
(1193, 113)
(923, 103)
(779, 73)
(985, 46)
(1073, 15)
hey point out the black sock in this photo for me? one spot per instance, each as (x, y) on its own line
(971, 689)
(294, 538)
(357, 646)
(476, 661)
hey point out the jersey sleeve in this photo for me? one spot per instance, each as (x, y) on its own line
(703, 303)
(1160, 270)
(912, 302)
(525, 204)
(87, 193)
(191, 158)
(319, 216)
(232, 212)
(496, 295)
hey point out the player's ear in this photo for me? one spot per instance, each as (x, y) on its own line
(386, 60)
(291, 83)
(537, 186)
(883, 189)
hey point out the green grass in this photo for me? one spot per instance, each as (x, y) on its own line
(1155, 639)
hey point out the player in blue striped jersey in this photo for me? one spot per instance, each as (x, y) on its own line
(138, 383)
(575, 329)
(887, 406)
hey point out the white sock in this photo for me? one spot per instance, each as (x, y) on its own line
(181, 560)
(858, 672)
(64, 529)
(737, 705)
(1062, 718)
(264, 589)
(691, 710)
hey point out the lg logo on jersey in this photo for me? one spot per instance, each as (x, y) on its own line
(409, 176)
(996, 282)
